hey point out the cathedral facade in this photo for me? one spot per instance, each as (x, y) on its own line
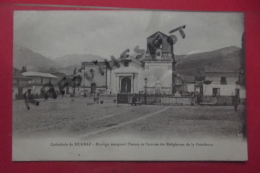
(152, 72)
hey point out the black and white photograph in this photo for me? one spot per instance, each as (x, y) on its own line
(128, 85)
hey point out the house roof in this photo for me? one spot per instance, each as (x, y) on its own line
(158, 32)
(39, 74)
(58, 74)
(20, 76)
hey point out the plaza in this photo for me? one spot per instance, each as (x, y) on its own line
(80, 117)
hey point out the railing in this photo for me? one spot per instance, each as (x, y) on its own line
(221, 100)
(181, 101)
(153, 99)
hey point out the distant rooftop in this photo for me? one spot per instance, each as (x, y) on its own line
(39, 74)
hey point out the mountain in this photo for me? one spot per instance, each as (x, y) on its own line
(76, 59)
(33, 61)
(194, 64)
(191, 64)
(68, 70)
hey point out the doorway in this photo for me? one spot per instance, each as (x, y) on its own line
(126, 85)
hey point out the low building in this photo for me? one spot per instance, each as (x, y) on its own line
(20, 84)
(38, 79)
(223, 82)
(93, 81)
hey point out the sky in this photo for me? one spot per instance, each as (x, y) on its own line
(105, 33)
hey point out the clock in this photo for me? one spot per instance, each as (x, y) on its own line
(158, 53)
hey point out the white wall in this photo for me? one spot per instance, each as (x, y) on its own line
(242, 92)
(98, 79)
(190, 87)
(225, 90)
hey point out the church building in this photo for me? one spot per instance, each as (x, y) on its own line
(152, 72)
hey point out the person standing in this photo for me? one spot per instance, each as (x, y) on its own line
(134, 99)
(199, 98)
(235, 102)
(28, 98)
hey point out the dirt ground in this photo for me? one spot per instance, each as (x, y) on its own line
(81, 117)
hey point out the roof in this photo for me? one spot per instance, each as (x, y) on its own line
(158, 32)
(91, 63)
(20, 76)
(59, 74)
(38, 74)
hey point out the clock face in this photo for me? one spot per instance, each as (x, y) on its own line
(158, 53)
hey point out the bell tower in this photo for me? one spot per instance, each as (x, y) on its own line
(160, 49)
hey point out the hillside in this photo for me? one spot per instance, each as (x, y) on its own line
(194, 64)
(68, 70)
(191, 64)
(36, 62)
(33, 61)
(76, 59)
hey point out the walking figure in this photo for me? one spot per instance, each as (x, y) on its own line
(134, 99)
(236, 102)
(28, 98)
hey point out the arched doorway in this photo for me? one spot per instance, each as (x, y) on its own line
(126, 85)
(93, 88)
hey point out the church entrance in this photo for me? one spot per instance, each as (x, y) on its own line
(126, 85)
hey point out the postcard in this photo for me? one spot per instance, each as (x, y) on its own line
(128, 85)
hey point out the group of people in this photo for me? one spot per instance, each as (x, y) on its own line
(48, 89)
(134, 99)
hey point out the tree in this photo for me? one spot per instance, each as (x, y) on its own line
(23, 69)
